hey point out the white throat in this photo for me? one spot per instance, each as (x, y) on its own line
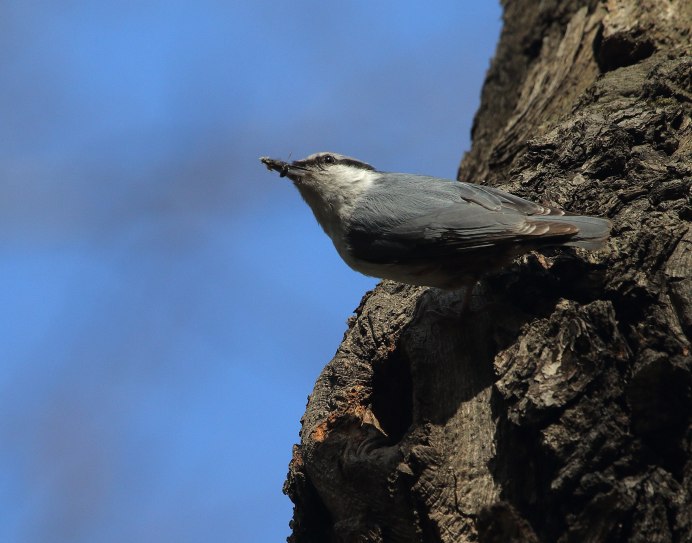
(331, 194)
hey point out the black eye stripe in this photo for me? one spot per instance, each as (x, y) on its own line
(355, 163)
(322, 160)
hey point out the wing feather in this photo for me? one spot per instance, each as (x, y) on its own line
(410, 218)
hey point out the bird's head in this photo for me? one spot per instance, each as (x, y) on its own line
(331, 178)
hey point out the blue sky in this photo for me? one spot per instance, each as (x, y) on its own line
(166, 303)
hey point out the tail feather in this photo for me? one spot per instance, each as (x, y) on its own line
(593, 231)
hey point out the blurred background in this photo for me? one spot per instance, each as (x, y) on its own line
(166, 302)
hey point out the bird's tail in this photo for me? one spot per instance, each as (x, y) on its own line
(592, 232)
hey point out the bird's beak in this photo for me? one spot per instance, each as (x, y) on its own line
(284, 168)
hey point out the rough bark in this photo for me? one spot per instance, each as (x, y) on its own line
(559, 407)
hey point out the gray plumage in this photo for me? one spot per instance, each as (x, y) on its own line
(427, 231)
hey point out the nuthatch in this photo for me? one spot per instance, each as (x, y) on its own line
(424, 230)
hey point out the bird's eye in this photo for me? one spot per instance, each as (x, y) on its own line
(328, 159)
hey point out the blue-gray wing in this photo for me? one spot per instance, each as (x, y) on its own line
(406, 218)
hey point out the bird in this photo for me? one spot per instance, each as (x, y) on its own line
(427, 231)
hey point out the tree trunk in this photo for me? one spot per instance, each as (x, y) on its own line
(558, 406)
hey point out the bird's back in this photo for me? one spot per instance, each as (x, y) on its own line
(419, 225)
